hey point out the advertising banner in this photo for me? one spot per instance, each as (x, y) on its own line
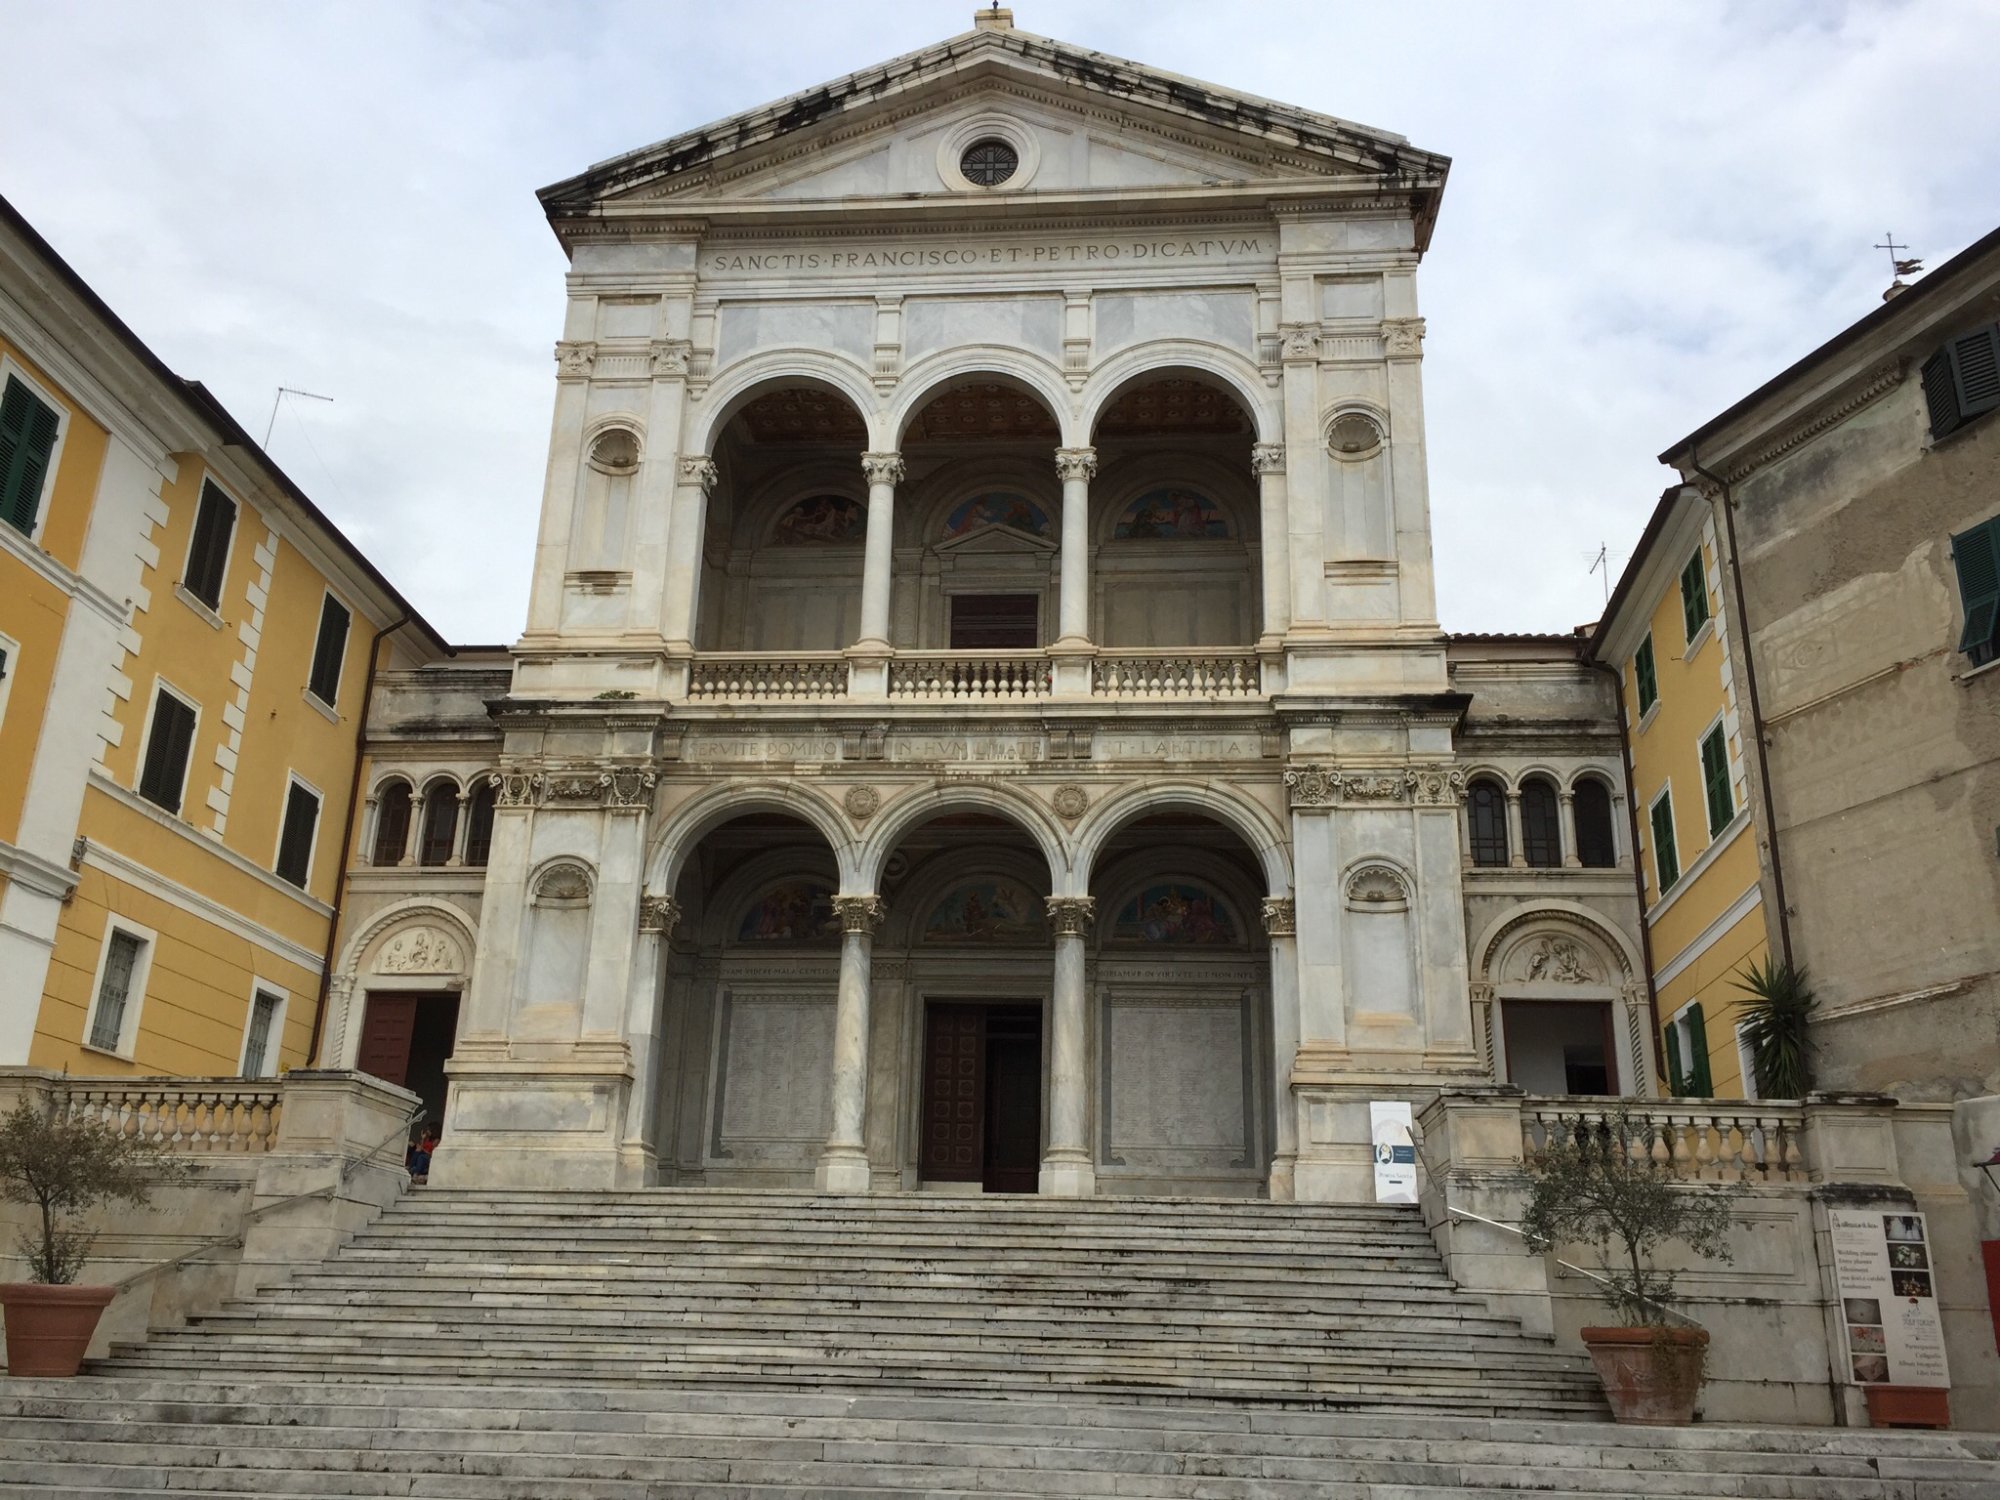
(1888, 1299)
(1395, 1152)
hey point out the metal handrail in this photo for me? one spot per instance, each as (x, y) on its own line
(1520, 1234)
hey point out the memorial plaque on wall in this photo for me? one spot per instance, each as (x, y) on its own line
(1888, 1298)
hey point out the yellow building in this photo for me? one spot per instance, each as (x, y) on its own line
(187, 646)
(1669, 636)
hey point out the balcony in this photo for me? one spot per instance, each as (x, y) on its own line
(960, 677)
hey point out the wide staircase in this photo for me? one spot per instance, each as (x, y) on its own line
(653, 1346)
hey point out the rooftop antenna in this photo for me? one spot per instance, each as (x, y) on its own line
(1603, 562)
(277, 400)
(1900, 267)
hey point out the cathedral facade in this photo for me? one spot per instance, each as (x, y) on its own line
(982, 721)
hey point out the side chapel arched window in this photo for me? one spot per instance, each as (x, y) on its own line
(440, 827)
(392, 824)
(1541, 824)
(479, 823)
(1596, 845)
(1486, 810)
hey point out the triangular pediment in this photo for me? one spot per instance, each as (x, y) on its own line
(996, 539)
(1085, 125)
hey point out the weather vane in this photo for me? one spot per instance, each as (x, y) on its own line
(1901, 266)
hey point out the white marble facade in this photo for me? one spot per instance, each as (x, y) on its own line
(995, 604)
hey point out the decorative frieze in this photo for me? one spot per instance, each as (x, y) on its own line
(1071, 916)
(862, 914)
(1281, 916)
(577, 787)
(1329, 786)
(575, 360)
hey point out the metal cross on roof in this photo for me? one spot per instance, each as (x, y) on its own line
(1902, 267)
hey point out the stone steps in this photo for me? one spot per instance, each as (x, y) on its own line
(112, 1438)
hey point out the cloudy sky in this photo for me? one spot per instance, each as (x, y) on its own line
(1653, 208)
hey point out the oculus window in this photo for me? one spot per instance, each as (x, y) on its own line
(989, 162)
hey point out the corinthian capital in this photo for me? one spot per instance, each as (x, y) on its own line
(659, 914)
(1403, 338)
(574, 360)
(1267, 458)
(859, 913)
(883, 468)
(699, 469)
(1071, 916)
(1281, 916)
(1076, 463)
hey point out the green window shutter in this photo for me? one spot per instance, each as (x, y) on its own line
(1700, 1084)
(1676, 1070)
(1694, 596)
(162, 779)
(1976, 553)
(295, 844)
(1666, 856)
(28, 430)
(1715, 781)
(329, 651)
(1645, 677)
(1962, 379)
(208, 552)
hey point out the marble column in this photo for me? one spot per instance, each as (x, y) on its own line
(1077, 466)
(885, 471)
(1067, 1168)
(843, 1166)
(1267, 461)
(1566, 823)
(694, 477)
(457, 860)
(1281, 925)
(1517, 851)
(644, 1026)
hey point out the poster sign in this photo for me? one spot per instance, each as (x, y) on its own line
(1888, 1298)
(1395, 1152)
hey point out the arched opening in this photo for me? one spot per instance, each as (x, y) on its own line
(1596, 835)
(392, 824)
(979, 517)
(1182, 1021)
(782, 554)
(1541, 823)
(479, 823)
(1565, 1017)
(1486, 818)
(1174, 506)
(438, 834)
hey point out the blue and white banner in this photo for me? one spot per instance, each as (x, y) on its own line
(1395, 1152)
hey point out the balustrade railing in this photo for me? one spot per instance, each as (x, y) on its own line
(968, 676)
(1696, 1139)
(1150, 674)
(199, 1115)
(767, 679)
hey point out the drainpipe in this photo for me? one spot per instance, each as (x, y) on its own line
(1632, 843)
(1742, 624)
(347, 836)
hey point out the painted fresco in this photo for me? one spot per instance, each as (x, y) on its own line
(1172, 514)
(1179, 913)
(822, 518)
(998, 509)
(987, 911)
(799, 911)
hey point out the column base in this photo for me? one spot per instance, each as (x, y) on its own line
(1068, 1177)
(1280, 1184)
(843, 1170)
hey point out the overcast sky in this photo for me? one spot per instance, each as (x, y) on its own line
(1652, 209)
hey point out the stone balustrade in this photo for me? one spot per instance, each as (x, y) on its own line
(761, 678)
(1176, 674)
(968, 676)
(239, 1115)
(1721, 1141)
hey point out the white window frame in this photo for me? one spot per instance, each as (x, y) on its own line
(1728, 765)
(9, 670)
(146, 741)
(187, 595)
(292, 779)
(1661, 890)
(135, 995)
(312, 651)
(1746, 1063)
(275, 1042)
(11, 366)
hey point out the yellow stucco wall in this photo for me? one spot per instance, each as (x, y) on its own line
(1666, 753)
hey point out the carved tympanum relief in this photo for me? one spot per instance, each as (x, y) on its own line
(1560, 961)
(420, 950)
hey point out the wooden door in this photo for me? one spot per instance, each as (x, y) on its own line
(1013, 1099)
(386, 1028)
(954, 1145)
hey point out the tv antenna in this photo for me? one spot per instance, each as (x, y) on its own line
(278, 400)
(1602, 563)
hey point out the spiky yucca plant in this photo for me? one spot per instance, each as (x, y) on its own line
(1775, 1021)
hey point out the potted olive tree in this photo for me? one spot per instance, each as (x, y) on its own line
(62, 1167)
(1596, 1183)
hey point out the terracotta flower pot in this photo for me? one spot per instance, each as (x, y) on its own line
(1651, 1375)
(49, 1327)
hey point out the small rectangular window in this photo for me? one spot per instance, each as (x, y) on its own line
(1976, 555)
(1694, 596)
(329, 651)
(1715, 780)
(1962, 380)
(1645, 677)
(1666, 858)
(1746, 1063)
(28, 428)
(995, 622)
(295, 843)
(114, 989)
(1688, 1072)
(208, 551)
(163, 776)
(258, 1049)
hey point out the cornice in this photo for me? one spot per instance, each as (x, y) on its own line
(1829, 412)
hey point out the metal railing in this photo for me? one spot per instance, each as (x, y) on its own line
(1601, 1280)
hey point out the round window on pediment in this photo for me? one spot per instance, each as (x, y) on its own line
(615, 451)
(989, 161)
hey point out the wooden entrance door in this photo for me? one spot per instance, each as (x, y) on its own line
(386, 1028)
(982, 1091)
(406, 1039)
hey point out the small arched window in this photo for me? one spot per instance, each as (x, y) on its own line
(1596, 844)
(1541, 824)
(479, 823)
(440, 827)
(392, 824)
(1486, 810)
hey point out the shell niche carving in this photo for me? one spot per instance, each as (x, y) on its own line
(564, 882)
